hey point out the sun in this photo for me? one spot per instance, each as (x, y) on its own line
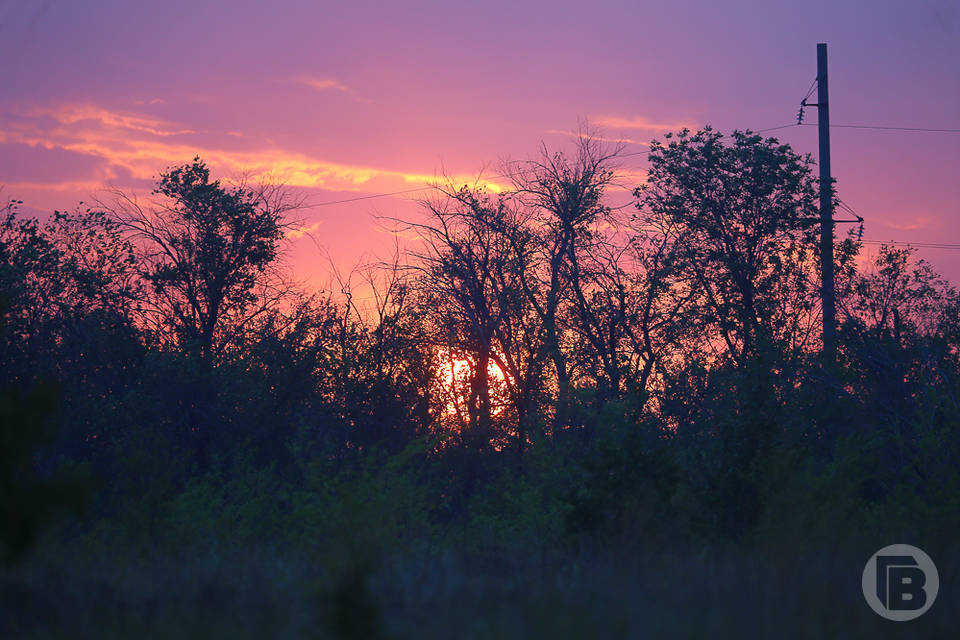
(455, 371)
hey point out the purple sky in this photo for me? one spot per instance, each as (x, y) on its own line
(348, 99)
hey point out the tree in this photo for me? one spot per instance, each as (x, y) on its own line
(71, 293)
(207, 252)
(463, 261)
(900, 335)
(741, 213)
(901, 299)
(640, 314)
(563, 201)
(372, 362)
(519, 280)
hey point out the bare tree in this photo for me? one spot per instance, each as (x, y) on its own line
(564, 198)
(465, 262)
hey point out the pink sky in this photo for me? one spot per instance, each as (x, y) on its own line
(351, 99)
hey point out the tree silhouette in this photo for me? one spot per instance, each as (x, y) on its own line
(206, 250)
(563, 196)
(462, 260)
(739, 213)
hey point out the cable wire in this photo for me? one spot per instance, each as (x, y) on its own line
(883, 128)
(782, 126)
(370, 197)
(919, 245)
(647, 152)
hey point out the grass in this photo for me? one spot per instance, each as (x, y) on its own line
(796, 591)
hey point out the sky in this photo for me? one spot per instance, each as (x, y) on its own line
(349, 99)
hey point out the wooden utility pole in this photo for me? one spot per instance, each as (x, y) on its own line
(827, 287)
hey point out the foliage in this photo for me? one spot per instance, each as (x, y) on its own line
(644, 408)
(205, 251)
(739, 215)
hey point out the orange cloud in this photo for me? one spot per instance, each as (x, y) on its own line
(329, 84)
(79, 113)
(641, 123)
(574, 134)
(322, 84)
(139, 146)
(296, 234)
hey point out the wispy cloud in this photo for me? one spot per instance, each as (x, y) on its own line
(916, 224)
(296, 234)
(329, 84)
(641, 123)
(574, 134)
(138, 147)
(323, 84)
(629, 178)
(79, 113)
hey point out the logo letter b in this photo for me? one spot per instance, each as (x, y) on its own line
(906, 588)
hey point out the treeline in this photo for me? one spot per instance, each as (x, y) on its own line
(538, 367)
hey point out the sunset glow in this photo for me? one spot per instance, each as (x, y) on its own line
(454, 382)
(434, 319)
(345, 113)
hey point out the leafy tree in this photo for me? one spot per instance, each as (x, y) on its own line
(739, 211)
(900, 335)
(207, 252)
(900, 298)
(30, 276)
(72, 294)
(734, 217)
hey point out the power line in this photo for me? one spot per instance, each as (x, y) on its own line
(370, 197)
(861, 126)
(647, 152)
(843, 205)
(919, 245)
(884, 128)
(385, 195)
(782, 126)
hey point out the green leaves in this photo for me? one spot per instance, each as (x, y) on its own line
(737, 209)
(205, 253)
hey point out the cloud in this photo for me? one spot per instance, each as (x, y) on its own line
(329, 84)
(296, 234)
(322, 84)
(629, 178)
(135, 148)
(78, 113)
(65, 186)
(574, 134)
(917, 224)
(640, 123)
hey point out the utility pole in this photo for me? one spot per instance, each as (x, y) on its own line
(827, 287)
